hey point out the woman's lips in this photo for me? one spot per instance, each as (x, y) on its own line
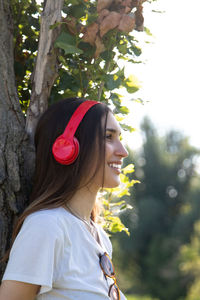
(115, 167)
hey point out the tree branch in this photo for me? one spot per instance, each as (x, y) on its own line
(46, 67)
(107, 66)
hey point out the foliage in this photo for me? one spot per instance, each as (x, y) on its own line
(90, 50)
(93, 39)
(163, 216)
(113, 206)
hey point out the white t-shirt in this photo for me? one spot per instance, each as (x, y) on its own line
(54, 249)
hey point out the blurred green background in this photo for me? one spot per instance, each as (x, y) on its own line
(160, 260)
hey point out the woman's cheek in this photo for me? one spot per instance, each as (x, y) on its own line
(108, 149)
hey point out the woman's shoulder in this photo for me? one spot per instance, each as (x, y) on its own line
(45, 215)
(46, 219)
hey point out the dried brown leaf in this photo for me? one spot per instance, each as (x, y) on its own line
(99, 47)
(103, 4)
(122, 6)
(124, 10)
(71, 24)
(127, 23)
(139, 19)
(127, 9)
(135, 3)
(118, 2)
(103, 13)
(127, 3)
(111, 21)
(90, 33)
(142, 1)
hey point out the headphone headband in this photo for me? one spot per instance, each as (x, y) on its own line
(77, 118)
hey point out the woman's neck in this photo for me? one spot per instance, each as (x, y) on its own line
(83, 202)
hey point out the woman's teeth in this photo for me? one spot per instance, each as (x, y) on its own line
(115, 166)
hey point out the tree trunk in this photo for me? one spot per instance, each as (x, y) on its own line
(14, 175)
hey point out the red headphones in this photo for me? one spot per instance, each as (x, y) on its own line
(66, 147)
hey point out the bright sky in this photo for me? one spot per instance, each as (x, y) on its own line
(171, 75)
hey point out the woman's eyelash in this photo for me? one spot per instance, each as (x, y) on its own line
(109, 136)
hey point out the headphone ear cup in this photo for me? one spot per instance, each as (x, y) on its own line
(65, 151)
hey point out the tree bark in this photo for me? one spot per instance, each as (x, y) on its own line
(14, 174)
(46, 67)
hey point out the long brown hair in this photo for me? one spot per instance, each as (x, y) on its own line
(55, 184)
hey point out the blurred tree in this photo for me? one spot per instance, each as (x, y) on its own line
(162, 218)
(190, 256)
(190, 263)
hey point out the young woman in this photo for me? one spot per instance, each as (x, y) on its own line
(59, 251)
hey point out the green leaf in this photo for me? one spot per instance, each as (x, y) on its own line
(69, 49)
(122, 48)
(88, 50)
(66, 38)
(127, 127)
(128, 169)
(68, 81)
(116, 225)
(115, 204)
(123, 193)
(131, 84)
(124, 110)
(116, 98)
(136, 50)
(92, 18)
(119, 109)
(111, 83)
(126, 206)
(77, 11)
(107, 55)
(67, 42)
(148, 32)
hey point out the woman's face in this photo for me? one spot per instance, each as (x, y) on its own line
(114, 153)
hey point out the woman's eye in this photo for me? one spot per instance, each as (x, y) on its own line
(109, 136)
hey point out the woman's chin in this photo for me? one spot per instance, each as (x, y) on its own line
(112, 184)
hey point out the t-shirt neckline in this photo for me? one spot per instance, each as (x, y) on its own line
(101, 245)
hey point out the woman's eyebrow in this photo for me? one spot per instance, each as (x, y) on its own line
(113, 130)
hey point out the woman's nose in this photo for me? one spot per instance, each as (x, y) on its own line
(121, 150)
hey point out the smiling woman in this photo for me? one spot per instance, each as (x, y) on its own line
(66, 254)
